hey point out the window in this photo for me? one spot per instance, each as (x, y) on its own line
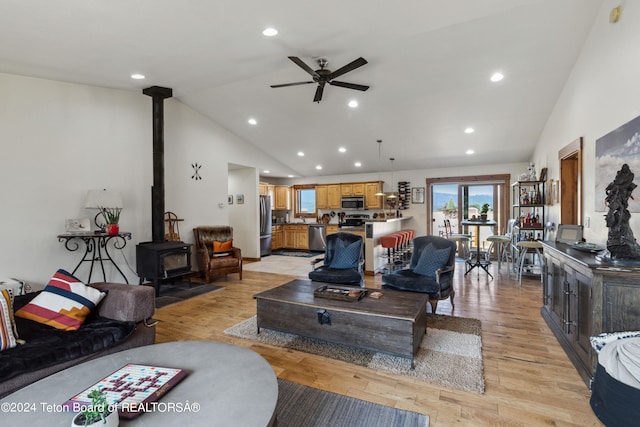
(305, 201)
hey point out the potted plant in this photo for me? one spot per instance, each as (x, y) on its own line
(483, 212)
(112, 217)
(98, 413)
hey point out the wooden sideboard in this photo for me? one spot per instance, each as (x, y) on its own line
(583, 297)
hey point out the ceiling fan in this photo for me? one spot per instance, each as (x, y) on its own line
(324, 76)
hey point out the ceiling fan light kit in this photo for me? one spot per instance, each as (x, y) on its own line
(322, 76)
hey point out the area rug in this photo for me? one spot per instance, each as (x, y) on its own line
(180, 291)
(299, 405)
(297, 253)
(450, 354)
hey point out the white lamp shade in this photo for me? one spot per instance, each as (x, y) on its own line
(103, 198)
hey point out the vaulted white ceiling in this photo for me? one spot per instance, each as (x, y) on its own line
(429, 64)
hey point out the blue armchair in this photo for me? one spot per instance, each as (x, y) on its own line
(343, 260)
(430, 270)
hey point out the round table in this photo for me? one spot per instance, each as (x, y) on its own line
(231, 385)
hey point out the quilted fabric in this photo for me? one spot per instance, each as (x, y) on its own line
(64, 303)
(8, 333)
(47, 346)
(346, 256)
(431, 260)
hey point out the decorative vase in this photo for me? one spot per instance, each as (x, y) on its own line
(112, 420)
(112, 229)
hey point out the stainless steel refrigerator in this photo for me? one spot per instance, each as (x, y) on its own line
(265, 225)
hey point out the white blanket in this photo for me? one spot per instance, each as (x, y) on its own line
(621, 360)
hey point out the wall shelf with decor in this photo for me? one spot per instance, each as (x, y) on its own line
(404, 194)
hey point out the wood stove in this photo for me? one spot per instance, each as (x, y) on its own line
(157, 260)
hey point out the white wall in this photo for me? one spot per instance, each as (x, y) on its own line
(59, 140)
(601, 94)
(244, 217)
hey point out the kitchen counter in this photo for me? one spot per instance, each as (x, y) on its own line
(402, 218)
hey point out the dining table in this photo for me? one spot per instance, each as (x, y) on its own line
(479, 262)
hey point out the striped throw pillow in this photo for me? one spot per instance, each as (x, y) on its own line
(64, 303)
(8, 333)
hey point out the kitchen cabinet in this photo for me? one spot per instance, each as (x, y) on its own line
(296, 236)
(282, 197)
(352, 189)
(332, 229)
(276, 238)
(583, 297)
(322, 201)
(333, 196)
(262, 188)
(370, 199)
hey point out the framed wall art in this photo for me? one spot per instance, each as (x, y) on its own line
(230, 199)
(240, 199)
(417, 195)
(616, 148)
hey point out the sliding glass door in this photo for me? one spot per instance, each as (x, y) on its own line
(450, 200)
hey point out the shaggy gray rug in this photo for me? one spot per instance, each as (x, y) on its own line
(450, 354)
(299, 405)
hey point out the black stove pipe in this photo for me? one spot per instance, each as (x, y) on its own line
(158, 95)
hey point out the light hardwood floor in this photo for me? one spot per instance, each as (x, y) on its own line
(529, 380)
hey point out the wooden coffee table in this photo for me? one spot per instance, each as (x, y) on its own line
(394, 324)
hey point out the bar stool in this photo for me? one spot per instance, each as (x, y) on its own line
(525, 247)
(501, 243)
(390, 243)
(462, 242)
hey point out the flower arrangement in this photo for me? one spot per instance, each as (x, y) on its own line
(110, 215)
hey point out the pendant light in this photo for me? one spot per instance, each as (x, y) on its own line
(381, 192)
(392, 195)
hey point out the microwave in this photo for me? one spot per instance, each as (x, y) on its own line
(352, 202)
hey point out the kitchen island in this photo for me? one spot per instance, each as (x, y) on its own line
(374, 229)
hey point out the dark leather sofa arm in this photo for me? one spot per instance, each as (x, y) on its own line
(133, 303)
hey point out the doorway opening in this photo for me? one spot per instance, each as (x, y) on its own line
(571, 183)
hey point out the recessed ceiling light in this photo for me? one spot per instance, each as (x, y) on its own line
(496, 77)
(300, 153)
(353, 103)
(342, 150)
(357, 164)
(469, 151)
(137, 76)
(267, 171)
(252, 121)
(319, 167)
(469, 130)
(269, 32)
(290, 176)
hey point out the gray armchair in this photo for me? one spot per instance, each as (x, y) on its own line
(430, 270)
(343, 260)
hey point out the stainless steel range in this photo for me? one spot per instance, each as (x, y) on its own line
(356, 220)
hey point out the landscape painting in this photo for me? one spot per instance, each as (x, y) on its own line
(616, 148)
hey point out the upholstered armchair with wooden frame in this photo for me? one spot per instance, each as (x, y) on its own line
(343, 261)
(430, 270)
(215, 251)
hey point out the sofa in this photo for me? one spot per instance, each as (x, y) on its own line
(119, 322)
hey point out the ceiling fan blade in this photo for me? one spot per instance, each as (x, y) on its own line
(292, 84)
(319, 91)
(349, 85)
(304, 66)
(349, 67)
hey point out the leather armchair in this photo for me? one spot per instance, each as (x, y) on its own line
(429, 272)
(215, 251)
(339, 266)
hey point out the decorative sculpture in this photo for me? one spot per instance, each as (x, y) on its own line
(620, 243)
